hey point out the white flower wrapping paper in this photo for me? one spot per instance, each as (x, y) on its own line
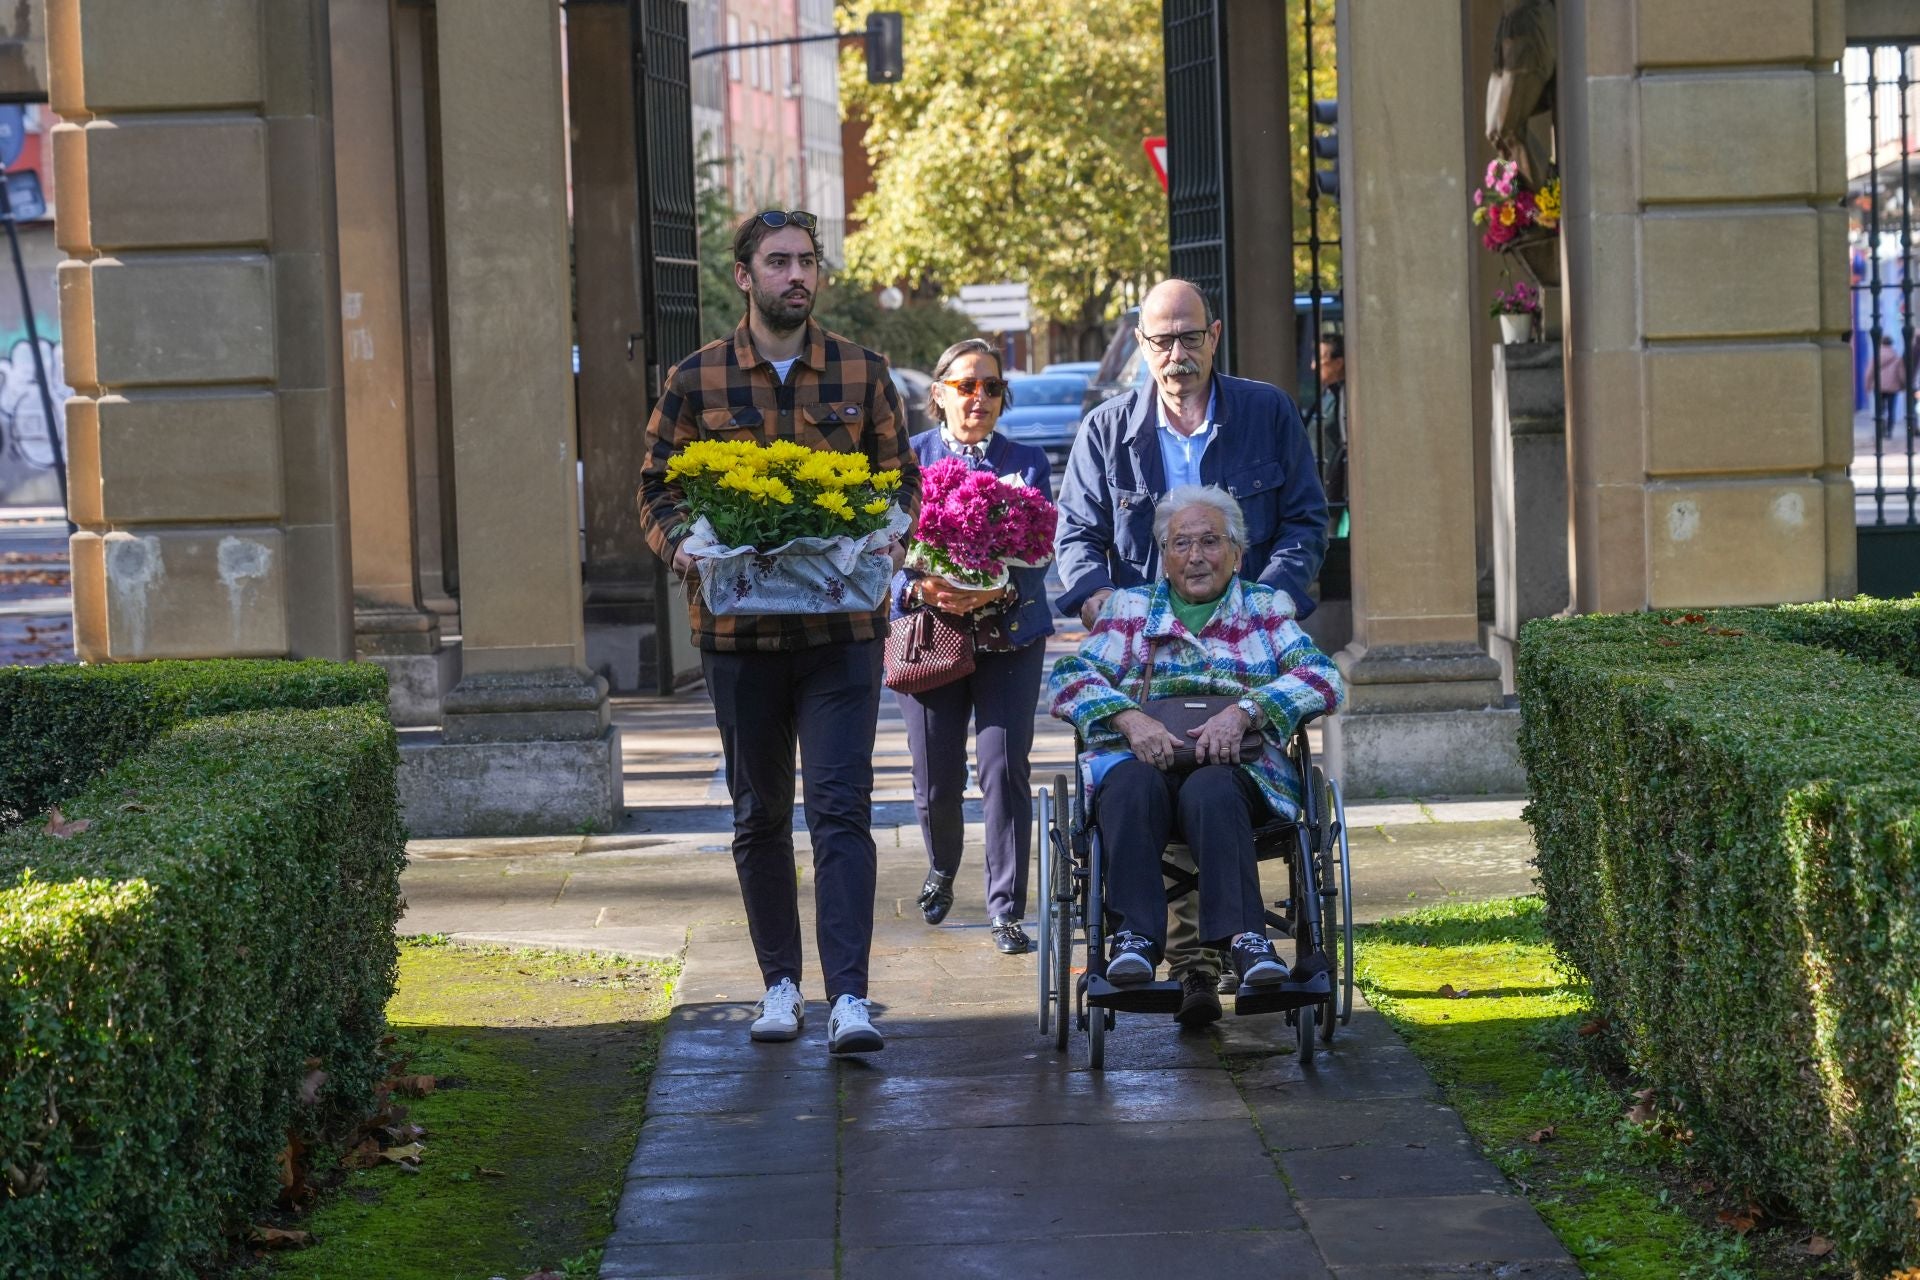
(806, 575)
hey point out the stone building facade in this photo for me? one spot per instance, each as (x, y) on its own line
(319, 298)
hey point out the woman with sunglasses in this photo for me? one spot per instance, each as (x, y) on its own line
(1011, 625)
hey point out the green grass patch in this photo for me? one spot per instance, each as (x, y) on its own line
(542, 1061)
(1479, 995)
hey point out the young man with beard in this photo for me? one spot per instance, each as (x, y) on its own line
(781, 679)
(1191, 425)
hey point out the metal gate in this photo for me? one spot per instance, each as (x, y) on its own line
(1196, 155)
(670, 248)
(1883, 150)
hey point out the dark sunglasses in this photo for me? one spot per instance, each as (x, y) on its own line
(995, 387)
(777, 219)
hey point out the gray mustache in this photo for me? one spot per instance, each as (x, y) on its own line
(1183, 366)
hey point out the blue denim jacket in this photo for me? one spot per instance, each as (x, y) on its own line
(1027, 618)
(1115, 475)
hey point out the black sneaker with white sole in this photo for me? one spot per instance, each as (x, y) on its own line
(1255, 961)
(1130, 961)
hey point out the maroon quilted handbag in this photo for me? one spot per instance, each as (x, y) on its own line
(926, 649)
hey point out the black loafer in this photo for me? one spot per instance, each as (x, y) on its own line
(936, 897)
(1009, 938)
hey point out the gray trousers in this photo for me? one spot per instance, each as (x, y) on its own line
(826, 700)
(999, 698)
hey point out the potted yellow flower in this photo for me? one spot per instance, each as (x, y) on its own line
(781, 528)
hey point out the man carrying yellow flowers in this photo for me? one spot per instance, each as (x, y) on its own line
(782, 407)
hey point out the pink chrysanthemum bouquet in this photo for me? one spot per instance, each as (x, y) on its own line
(974, 526)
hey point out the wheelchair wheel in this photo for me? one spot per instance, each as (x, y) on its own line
(1097, 1019)
(1337, 811)
(1043, 846)
(1303, 1023)
(1058, 945)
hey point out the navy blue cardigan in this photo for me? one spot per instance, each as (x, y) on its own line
(1028, 618)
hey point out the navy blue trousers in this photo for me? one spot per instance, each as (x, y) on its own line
(1000, 698)
(826, 699)
(1212, 811)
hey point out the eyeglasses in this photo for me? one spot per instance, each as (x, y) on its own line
(1210, 543)
(993, 388)
(1192, 339)
(777, 218)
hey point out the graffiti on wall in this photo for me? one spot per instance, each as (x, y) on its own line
(26, 443)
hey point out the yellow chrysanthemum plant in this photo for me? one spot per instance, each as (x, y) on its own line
(765, 495)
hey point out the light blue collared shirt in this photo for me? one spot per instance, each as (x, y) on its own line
(1179, 454)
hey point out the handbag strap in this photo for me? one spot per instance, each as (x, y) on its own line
(1146, 675)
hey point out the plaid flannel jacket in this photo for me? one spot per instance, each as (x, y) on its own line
(837, 396)
(1251, 648)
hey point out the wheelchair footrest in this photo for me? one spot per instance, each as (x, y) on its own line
(1280, 996)
(1148, 997)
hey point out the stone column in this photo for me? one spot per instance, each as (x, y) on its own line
(390, 626)
(1425, 713)
(622, 642)
(199, 315)
(418, 108)
(1261, 329)
(1529, 482)
(527, 743)
(1705, 243)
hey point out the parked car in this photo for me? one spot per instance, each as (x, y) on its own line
(913, 386)
(1087, 367)
(1046, 412)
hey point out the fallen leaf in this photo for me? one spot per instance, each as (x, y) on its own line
(1542, 1135)
(409, 1154)
(1346, 1177)
(1817, 1247)
(364, 1156)
(489, 1173)
(414, 1086)
(59, 828)
(134, 806)
(1446, 990)
(1665, 643)
(400, 1134)
(310, 1087)
(1640, 1113)
(1743, 1219)
(1594, 1027)
(275, 1238)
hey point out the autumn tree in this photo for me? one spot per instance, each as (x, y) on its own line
(1012, 151)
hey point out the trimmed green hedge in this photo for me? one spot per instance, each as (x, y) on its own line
(62, 725)
(227, 915)
(1727, 806)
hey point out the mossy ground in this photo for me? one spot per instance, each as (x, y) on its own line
(1507, 1050)
(542, 1062)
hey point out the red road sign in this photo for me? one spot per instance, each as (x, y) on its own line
(1156, 149)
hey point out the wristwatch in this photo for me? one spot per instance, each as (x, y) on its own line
(1252, 711)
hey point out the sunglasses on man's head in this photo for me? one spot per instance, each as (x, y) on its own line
(778, 218)
(995, 387)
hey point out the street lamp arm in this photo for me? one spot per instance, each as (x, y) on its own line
(774, 44)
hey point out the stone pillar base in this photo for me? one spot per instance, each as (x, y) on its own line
(417, 684)
(1426, 753)
(527, 706)
(625, 655)
(1422, 721)
(507, 788)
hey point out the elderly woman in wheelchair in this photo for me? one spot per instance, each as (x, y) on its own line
(1222, 661)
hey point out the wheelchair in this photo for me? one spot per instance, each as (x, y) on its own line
(1317, 914)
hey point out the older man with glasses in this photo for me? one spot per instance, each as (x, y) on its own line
(1191, 426)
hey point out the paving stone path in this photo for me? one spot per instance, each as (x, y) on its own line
(968, 1147)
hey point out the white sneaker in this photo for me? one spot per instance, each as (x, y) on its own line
(782, 1012)
(850, 1029)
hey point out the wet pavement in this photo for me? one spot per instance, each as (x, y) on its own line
(969, 1147)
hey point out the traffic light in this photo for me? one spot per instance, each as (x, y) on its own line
(885, 63)
(1326, 146)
